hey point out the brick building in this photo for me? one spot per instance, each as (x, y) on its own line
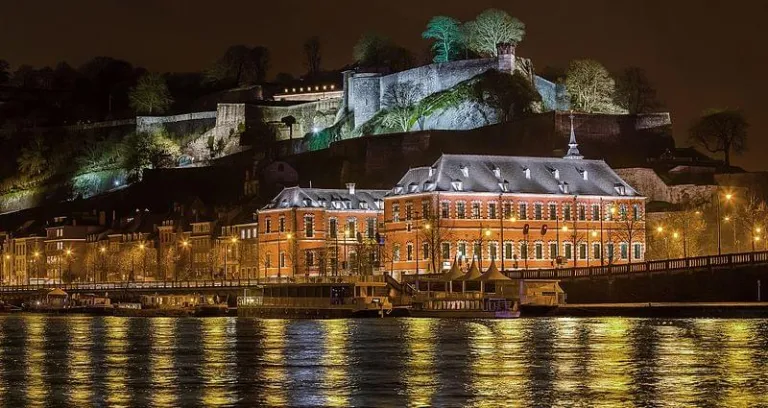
(523, 212)
(304, 229)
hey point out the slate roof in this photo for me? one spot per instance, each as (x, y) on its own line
(515, 174)
(332, 199)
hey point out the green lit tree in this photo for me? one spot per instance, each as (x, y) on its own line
(150, 95)
(634, 91)
(591, 87)
(490, 28)
(149, 150)
(448, 36)
(721, 131)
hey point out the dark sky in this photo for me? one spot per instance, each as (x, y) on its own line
(699, 54)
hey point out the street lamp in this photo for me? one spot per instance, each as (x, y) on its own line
(728, 198)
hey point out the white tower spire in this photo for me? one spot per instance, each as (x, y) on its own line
(573, 147)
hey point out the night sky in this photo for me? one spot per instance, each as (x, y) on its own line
(699, 54)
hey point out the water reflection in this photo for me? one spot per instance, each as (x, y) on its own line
(112, 361)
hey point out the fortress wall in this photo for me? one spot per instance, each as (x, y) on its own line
(364, 96)
(197, 122)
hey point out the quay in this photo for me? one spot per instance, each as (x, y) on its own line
(666, 309)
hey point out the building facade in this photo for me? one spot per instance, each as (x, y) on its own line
(521, 212)
(311, 231)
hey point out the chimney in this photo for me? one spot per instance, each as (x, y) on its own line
(351, 188)
(506, 57)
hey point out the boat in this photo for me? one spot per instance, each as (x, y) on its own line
(318, 298)
(488, 295)
(210, 306)
(90, 303)
(50, 301)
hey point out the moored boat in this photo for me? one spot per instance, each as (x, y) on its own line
(318, 298)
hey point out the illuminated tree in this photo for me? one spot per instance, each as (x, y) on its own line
(312, 53)
(150, 95)
(149, 150)
(591, 87)
(33, 159)
(721, 131)
(448, 36)
(400, 100)
(634, 91)
(490, 28)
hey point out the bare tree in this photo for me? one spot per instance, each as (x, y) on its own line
(400, 101)
(312, 53)
(631, 224)
(493, 27)
(721, 130)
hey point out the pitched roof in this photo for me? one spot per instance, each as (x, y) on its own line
(454, 273)
(515, 174)
(473, 272)
(332, 199)
(492, 274)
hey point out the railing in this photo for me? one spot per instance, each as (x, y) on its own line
(202, 284)
(664, 265)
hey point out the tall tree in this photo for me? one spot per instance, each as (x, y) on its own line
(448, 36)
(150, 95)
(493, 27)
(512, 96)
(634, 91)
(240, 65)
(312, 53)
(591, 87)
(5, 74)
(33, 159)
(721, 131)
(378, 52)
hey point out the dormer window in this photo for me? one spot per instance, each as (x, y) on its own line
(398, 189)
(413, 187)
(428, 186)
(379, 204)
(464, 170)
(564, 188)
(457, 185)
(336, 204)
(497, 172)
(363, 205)
(323, 202)
(307, 202)
(527, 173)
(504, 186)
(584, 175)
(621, 189)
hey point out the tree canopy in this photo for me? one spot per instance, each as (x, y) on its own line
(240, 66)
(721, 131)
(378, 52)
(150, 95)
(591, 87)
(511, 96)
(448, 36)
(634, 91)
(490, 28)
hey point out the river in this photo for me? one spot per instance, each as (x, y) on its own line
(613, 362)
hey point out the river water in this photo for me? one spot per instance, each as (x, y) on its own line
(613, 362)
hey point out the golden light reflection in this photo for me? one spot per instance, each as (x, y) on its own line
(36, 389)
(496, 364)
(116, 346)
(611, 379)
(218, 362)
(273, 373)
(677, 364)
(163, 371)
(336, 361)
(739, 366)
(2, 357)
(573, 370)
(79, 361)
(420, 372)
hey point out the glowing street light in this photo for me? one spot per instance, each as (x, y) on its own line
(565, 228)
(675, 235)
(659, 229)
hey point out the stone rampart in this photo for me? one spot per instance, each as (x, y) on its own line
(189, 123)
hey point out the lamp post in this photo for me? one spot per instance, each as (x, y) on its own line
(347, 233)
(755, 236)
(233, 240)
(185, 249)
(728, 197)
